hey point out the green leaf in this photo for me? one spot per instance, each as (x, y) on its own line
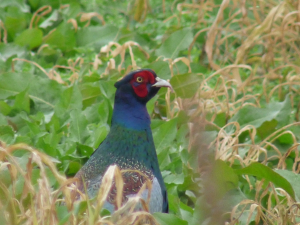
(73, 168)
(31, 38)
(164, 134)
(186, 212)
(161, 68)
(293, 179)
(63, 37)
(266, 128)
(7, 134)
(15, 20)
(45, 93)
(85, 150)
(167, 219)
(70, 99)
(96, 36)
(89, 94)
(78, 126)
(97, 135)
(13, 83)
(151, 104)
(4, 108)
(9, 49)
(263, 172)
(250, 115)
(185, 85)
(63, 214)
(174, 179)
(286, 138)
(178, 41)
(3, 120)
(107, 88)
(80, 208)
(34, 3)
(48, 142)
(22, 102)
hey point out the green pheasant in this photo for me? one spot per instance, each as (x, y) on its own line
(129, 144)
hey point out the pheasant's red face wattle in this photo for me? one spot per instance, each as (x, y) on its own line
(139, 83)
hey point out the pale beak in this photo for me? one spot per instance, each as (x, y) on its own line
(162, 83)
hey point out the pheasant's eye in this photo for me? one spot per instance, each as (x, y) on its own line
(139, 79)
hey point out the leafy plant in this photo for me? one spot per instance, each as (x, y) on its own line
(227, 139)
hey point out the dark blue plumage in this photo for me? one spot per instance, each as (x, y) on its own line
(129, 144)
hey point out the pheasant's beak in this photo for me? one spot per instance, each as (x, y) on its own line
(162, 83)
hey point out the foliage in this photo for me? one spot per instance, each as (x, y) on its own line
(227, 139)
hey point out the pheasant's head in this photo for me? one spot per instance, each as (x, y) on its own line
(143, 84)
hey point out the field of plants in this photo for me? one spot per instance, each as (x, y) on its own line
(227, 139)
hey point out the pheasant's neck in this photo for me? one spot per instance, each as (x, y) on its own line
(130, 113)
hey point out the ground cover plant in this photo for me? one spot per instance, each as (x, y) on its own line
(227, 139)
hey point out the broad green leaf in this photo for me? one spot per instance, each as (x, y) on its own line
(293, 179)
(53, 3)
(89, 94)
(15, 21)
(3, 119)
(180, 68)
(96, 36)
(49, 142)
(250, 115)
(168, 219)
(164, 134)
(74, 8)
(22, 6)
(9, 49)
(97, 113)
(176, 42)
(45, 93)
(151, 104)
(78, 126)
(263, 172)
(4, 108)
(185, 85)
(34, 3)
(107, 88)
(80, 208)
(63, 37)
(63, 214)
(174, 203)
(174, 179)
(70, 99)
(161, 69)
(22, 101)
(13, 83)
(74, 167)
(266, 128)
(97, 135)
(103, 112)
(286, 138)
(30, 38)
(48, 148)
(85, 150)
(7, 134)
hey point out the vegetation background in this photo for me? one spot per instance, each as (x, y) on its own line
(227, 139)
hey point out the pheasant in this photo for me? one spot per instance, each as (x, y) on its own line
(129, 145)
